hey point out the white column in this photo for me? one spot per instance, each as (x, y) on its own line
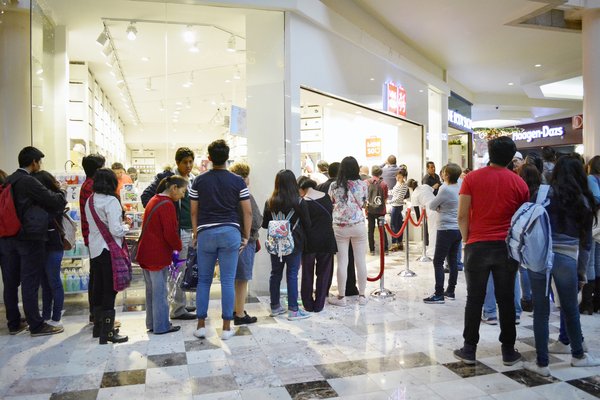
(265, 121)
(15, 91)
(591, 82)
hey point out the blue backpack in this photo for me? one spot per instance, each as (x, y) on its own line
(529, 239)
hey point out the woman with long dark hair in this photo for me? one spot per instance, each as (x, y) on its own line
(571, 211)
(349, 195)
(105, 206)
(590, 293)
(53, 294)
(286, 202)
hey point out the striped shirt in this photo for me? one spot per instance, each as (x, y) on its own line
(398, 193)
(218, 193)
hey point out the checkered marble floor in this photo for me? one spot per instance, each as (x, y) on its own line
(390, 349)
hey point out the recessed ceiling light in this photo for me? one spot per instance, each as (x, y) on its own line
(145, 59)
(194, 48)
(372, 79)
(537, 65)
(179, 103)
(227, 81)
(421, 90)
(510, 84)
(189, 36)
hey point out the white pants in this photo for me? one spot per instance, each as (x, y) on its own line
(357, 234)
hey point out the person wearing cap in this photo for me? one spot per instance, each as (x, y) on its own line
(517, 161)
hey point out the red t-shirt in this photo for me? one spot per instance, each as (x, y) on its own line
(84, 194)
(496, 193)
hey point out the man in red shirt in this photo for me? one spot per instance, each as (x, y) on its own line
(488, 199)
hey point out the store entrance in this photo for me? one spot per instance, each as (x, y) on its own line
(460, 148)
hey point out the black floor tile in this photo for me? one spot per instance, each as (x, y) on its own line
(529, 379)
(342, 369)
(311, 390)
(78, 395)
(167, 360)
(468, 371)
(123, 378)
(589, 385)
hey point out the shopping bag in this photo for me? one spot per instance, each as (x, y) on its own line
(190, 276)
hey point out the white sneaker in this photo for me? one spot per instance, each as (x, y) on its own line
(586, 361)
(57, 324)
(533, 367)
(559, 347)
(336, 301)
(200, 333)
(362, 300)
(227, 334)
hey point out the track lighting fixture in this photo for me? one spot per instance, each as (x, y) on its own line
(131, 31)
(107, 51)
(102, 38)
(231, 45)
(189, 36)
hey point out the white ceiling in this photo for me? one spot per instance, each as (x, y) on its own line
(188, 114)
(472, 41)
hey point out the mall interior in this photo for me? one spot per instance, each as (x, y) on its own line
(288, 84)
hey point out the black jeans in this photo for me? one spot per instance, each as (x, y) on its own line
(22, 264)
(320, 264)
(371, 233)
(446, 246)
(481, 258)
(103, 293)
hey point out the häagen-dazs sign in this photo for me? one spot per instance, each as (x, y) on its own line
(545, 132)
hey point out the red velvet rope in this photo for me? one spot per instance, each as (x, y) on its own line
(381, 255)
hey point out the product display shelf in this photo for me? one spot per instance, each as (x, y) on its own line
(75, 264)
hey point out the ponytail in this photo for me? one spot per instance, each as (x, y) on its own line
(171, 180)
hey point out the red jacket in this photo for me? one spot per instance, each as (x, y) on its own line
(160, 237)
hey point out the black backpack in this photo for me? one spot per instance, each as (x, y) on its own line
(376, 199)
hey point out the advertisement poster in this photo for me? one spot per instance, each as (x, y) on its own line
(373, 147)
(394, 99)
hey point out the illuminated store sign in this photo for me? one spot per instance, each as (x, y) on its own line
(545, 132)
(459, 120)
(394, 99)
(373, 146)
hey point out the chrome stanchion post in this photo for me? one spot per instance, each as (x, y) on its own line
(382, 292)
(424, 257)
(407, 273)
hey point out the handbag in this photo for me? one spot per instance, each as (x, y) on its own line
(190, 277)
(135, 245)
(119, 255)
(67, 228)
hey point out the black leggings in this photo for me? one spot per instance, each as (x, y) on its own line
(103, 294)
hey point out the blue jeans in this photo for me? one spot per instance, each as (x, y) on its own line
(459, 261)
(396, 222)
(525, 284)
(446, 246)
(293, 265)
(564, 273)
(489, 305)
(220, 243)
(157, 306)
(53, 294)
(593, 266)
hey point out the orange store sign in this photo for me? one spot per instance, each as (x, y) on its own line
(374, 147)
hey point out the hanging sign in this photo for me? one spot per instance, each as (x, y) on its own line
(373, 146)
(394, 99)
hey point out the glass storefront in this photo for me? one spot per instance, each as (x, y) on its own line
(135, 80)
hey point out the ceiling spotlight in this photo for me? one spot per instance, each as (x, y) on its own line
(231, 45)
(131, 31)
(107, 51)
(149, 84)
(102, 38)
(189, 36)
(227, 80)
(194, 48)
(39, 71)
(510, 84)
(537, 65)
(145, 59)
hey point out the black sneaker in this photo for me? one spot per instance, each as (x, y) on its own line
(246, 319)
(510, 357)
(22, 326)
(434, 299)
(465, 355)
(48, 330)
(449, 295)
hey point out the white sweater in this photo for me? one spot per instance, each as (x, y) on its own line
(109, 211)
